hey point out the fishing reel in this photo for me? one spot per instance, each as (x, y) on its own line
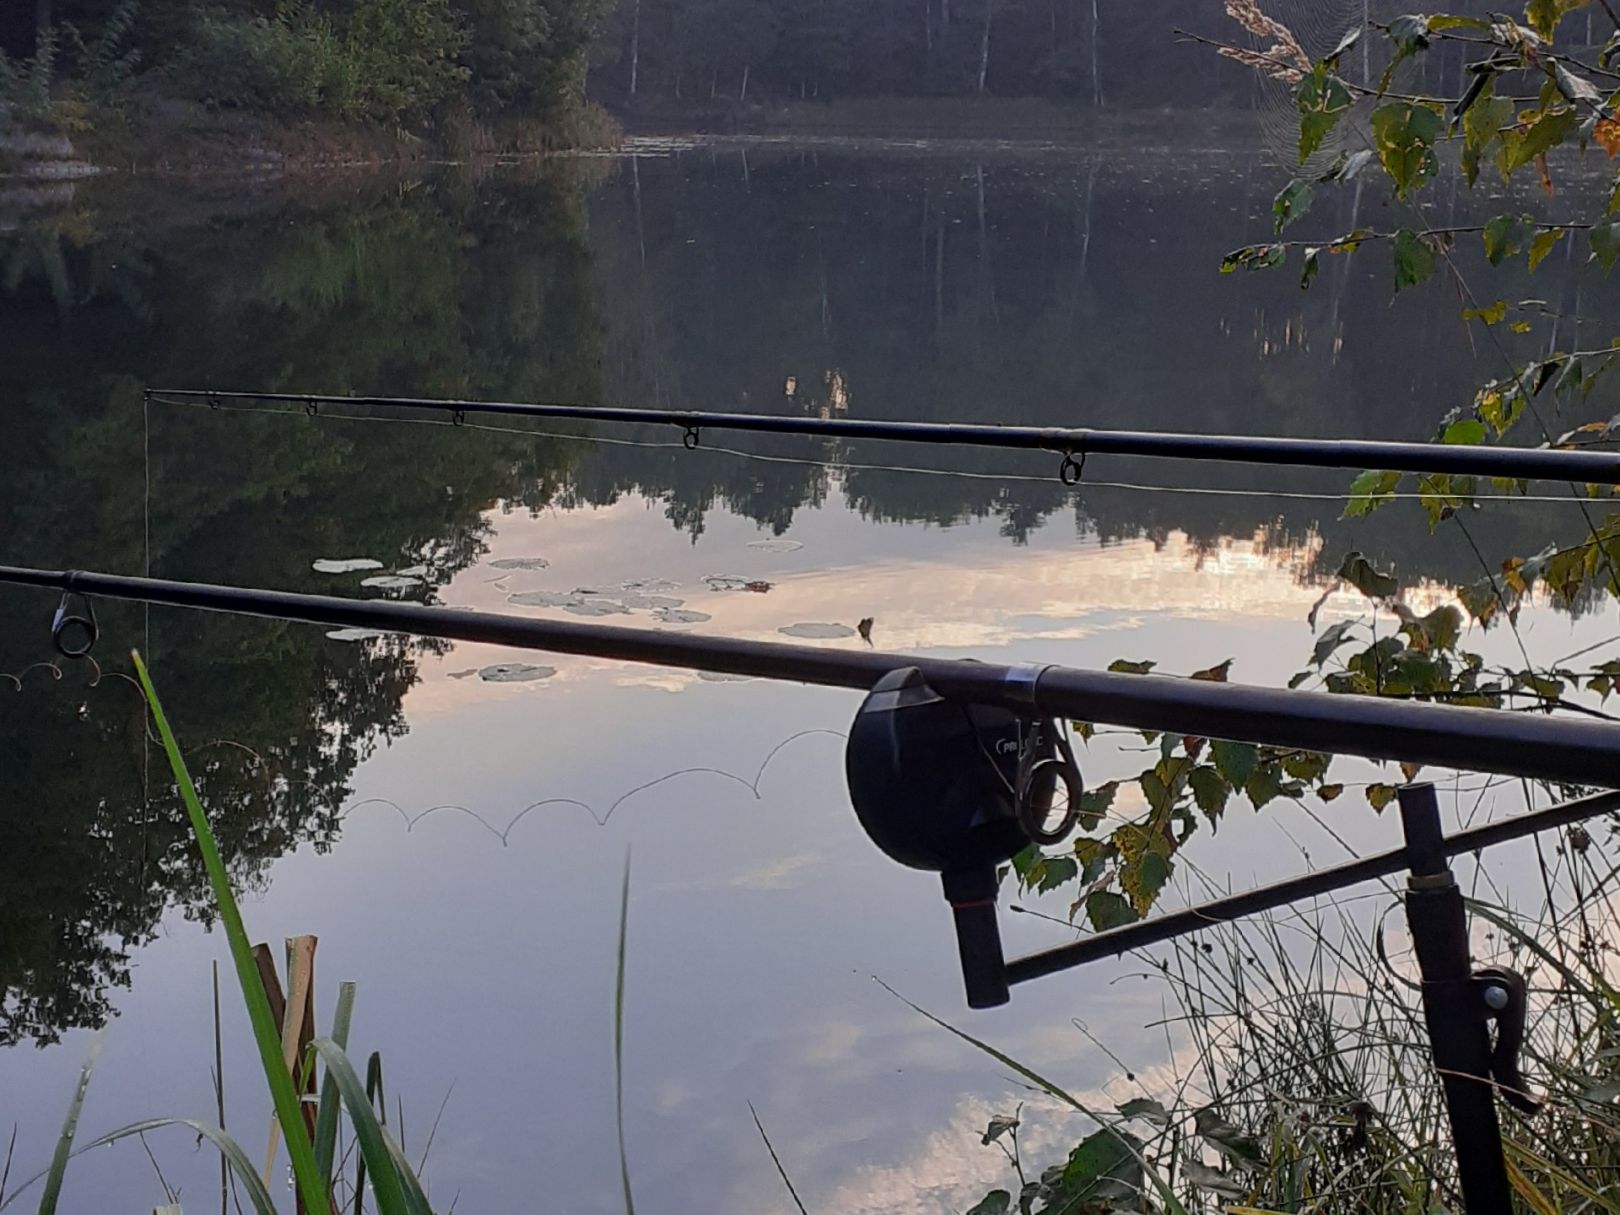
(958, 789)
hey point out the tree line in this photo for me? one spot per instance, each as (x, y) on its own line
(1113, 53)
(384, 62)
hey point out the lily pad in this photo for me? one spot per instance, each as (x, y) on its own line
(467, 674)
(355, 634)
(596, 607)
(390, 582)
(515, 672)
(346, 565)
(775, 546)
(641, 603)
(680, 616)
(723, 677)
(648, 584)
(545, 599)
(520, 563)
(414, 571)
(817, 632)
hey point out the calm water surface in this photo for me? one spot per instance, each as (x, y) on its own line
(457, 843)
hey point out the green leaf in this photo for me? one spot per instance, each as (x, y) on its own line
(1414, 259)
(1543, 16)
(1234, 760)
(1094, 804)
(1605, 242)
(326, 1120)
(1482, 127)
(996, 1202)
(1106, 910)
(1308, 271)
(1543, 245)
(1145, 878)
(1359, 573)
(1404, 135)
(1468, 432)
(1379, 796)
(1331, 639)
(1531, 138)
(266, 1033)
(1505, 235)
(1323, 99)
(1055, 871)
(1369, 491)
(242, 1170)
(1210, 790)
(1293, 201)
(1264, 785)
(1106, 1164)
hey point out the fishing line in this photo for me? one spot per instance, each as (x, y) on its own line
(1074, 491)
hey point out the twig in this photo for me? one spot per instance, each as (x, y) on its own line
(776, 1160)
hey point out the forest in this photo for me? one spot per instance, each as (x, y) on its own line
(388, 63)
(1093, 53)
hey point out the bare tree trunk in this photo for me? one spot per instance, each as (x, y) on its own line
(635, 46)
(984, 43)
(1096, 56)
(742, 93)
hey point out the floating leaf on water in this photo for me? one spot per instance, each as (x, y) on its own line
(346, 565)
(355, 634)
(776, 546)
(726, 582)
(820, 632)
(681, 616)
(414, 571)
(648, 584)
(467, 674)
(544, 599)
(596, 607)
(723, 677)
(390, 582)
(643, 603)
(520, 563)
(515, 672)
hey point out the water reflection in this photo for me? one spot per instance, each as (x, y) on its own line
(1042, 290)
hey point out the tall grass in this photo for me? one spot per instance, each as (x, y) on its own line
(1299, 1076)
(394, 1183)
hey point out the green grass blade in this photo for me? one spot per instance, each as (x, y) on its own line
(392, 1182)
(70, 1127)
(618, 1039)
(326, 1119)
(252, 1184)
(266, 1033)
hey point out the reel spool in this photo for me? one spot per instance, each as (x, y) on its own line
(958, 789)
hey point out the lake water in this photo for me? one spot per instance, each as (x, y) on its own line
(457, 843)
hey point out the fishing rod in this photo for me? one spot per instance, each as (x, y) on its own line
(1074, 444)
(1535, 746)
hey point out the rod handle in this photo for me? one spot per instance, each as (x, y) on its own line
(972, 896)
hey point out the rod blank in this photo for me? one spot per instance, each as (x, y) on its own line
(1535, 746)
(1597, 468)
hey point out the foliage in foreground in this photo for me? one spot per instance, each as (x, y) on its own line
(1301, 1078)
(312, 1148)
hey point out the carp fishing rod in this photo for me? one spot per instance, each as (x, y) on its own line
(953, 765)
(1074, 444)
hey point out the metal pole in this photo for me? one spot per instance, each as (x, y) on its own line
(1536, 746)
(1599, 468)
(1161, 928)
(1453, 1007)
